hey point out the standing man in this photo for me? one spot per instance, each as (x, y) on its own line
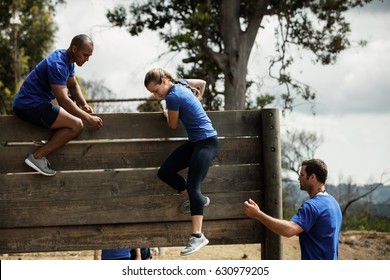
(318, 220)
(43, 100)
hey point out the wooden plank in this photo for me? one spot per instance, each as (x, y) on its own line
(112, 155)
(119, 202)
(121, 183)
(93, 237)
(123, 209)
(136, 125)
(272, 176)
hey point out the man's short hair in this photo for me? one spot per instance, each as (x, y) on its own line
(79, 40)
(317, 167)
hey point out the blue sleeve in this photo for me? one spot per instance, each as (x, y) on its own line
(173, 103)
(58, 74)
(176, 97)
(306, 216)
(72, 71)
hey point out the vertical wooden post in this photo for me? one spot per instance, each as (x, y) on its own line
(272, 174)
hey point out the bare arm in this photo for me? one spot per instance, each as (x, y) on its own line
(77, 95)
(138, 254)
(278, 226)
(199, 84)
(61, 93)
(172, 118)
(96, 254)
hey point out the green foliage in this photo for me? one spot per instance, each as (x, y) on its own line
(363, 221)
(211, 99)
(151, 105)
(5, 99)
(262, 100)
(217, 37)
(27, 34)
(288, 212)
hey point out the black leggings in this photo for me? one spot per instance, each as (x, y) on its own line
(197, 156)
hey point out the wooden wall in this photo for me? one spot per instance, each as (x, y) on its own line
(106, 193)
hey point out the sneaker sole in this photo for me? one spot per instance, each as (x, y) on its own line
(207, 201)
(40, 143)
(204, 243)
(32, 165)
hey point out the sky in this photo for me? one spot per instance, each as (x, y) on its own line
(352, 108)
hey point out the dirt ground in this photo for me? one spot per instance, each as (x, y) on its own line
(354, 245)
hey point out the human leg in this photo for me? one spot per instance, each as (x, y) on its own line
(177, 160)
(49, 115)
(197, 240)
(204, 153)
(66, 127)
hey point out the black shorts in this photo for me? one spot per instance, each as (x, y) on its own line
(44, 115)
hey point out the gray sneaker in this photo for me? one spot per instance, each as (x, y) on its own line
(40, 165)
(194, 244)
(185, 205)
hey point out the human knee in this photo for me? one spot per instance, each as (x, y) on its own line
(161, 174)
(196, 203)
(77, 126)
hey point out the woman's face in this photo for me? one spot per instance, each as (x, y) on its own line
(159, 90)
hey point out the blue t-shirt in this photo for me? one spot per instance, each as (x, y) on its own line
(35, 90)
(191, 113)
(320, 218)
(116, 254)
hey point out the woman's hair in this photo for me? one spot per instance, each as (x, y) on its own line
(156, 75)
(317, 167)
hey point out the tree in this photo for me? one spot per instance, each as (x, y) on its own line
(353, 199)
(151, 105)
(218, 37)
(98, 90)
(298, 146)
(27, 33)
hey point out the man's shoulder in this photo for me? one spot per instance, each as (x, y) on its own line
(58, 56)
(58, 61)
(58, 52)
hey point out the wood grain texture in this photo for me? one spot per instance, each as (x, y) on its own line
(136, 125)
(90, 237)
(106, 193)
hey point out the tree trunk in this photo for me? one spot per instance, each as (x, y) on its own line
(237, 48)
(235, 83)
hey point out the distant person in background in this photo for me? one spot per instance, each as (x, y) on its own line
(144, 253)
(318, 220)
(112, 254)
(43, 100)
(126, 254)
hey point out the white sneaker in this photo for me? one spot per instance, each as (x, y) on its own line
(194, 244)
(40, 165)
